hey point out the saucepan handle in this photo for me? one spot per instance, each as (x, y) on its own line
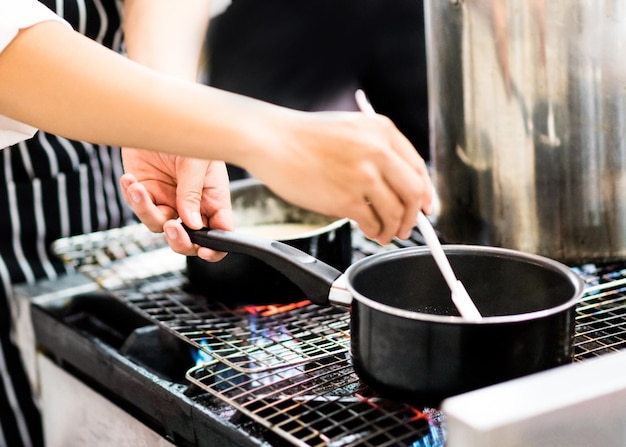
(311, 275)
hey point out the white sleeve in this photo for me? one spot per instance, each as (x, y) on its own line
(16, 15)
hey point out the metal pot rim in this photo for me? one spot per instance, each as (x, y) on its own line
(567, 272)
(331, 223)
(334, 225)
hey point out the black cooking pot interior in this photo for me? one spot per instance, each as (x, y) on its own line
(415, 283)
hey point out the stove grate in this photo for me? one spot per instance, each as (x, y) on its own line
(288, 368)
(305, 406)
(601, 313)
(250, 339)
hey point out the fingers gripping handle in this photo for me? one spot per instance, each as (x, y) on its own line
(311, 275)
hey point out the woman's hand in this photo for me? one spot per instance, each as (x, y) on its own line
(162, 188)
(348, 164)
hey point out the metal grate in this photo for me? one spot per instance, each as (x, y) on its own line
(252, 339)
(601, 314)
(321, 404)
(288, 368)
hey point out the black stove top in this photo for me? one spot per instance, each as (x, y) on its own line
(202, 373)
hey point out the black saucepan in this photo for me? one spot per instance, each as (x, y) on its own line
(243, 279)
(407, 339)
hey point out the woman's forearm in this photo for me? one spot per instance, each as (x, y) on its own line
(61, 82)
(342, 164)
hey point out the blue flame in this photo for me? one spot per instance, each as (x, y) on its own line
(437, 436)
(200, 356)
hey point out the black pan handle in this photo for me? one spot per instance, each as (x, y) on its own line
(311, 275)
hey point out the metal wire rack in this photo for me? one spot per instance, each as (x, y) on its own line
(323, 404)
(601, 313)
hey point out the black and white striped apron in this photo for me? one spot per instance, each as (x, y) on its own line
(51, 187)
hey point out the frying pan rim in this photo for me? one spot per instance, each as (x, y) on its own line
(543, 261)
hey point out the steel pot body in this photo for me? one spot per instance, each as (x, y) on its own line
(407, 339)
(528, 119)
(245, 279)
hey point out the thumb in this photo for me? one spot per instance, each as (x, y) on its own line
(190, 174)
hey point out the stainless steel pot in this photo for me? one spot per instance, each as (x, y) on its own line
(528, 114)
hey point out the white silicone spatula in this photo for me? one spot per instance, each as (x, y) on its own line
(460, 297)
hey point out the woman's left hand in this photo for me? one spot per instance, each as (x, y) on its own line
(163, 188)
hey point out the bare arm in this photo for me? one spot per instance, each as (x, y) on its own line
(110, 100)
(168, 36)
(328, 162)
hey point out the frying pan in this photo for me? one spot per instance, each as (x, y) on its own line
(407, 340)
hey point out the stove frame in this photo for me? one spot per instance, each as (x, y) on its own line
(289, 369)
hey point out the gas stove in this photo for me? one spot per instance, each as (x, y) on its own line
(198, 371)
